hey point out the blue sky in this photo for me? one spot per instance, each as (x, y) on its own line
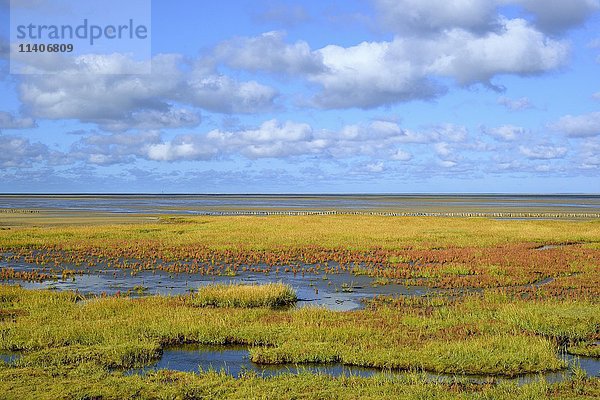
(383, 96)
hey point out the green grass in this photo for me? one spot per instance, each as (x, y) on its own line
(88, 381)
(272, 295)
(478, 335)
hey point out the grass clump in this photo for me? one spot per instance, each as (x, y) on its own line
(273, 295)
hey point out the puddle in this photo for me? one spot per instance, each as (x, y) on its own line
(553, 246)
(9, 357)
(547, 247)
(341, 291)
(235, 360)
(543, 282)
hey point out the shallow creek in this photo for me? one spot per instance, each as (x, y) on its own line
(235, 360)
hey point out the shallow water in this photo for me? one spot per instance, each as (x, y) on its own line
(235, 360)
(9, 356)
(207, 204)
(341, 291)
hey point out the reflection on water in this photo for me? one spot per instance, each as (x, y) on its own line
(341, 291)
(235, 360)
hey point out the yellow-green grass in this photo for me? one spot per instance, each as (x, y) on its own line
(477, 335)
(88, 381)
(329, 231)
(450, 252)
(246, 296)
(588, 349)
(68, 343)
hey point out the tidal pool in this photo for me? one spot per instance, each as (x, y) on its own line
(235, 361)
(341, 291)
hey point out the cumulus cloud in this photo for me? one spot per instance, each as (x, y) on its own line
(19, 152)
(80, 93)
(505, 132)
(590, 154)
(556, 16)
(9, 121)
(543, 152)
(371, 74)
(220, 93)
(522, 103)
(153, 119)
(443, 149)
(269, 52)
(143, 101)
(375, 167)
(271, 139)
(185, 147)
(435, 16)
(102, 149)
(516, 48)
(578, 126)
(450, 132)
(401, 155)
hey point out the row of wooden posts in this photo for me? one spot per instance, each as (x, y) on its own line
(380, 213)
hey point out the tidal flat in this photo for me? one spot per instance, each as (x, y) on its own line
(497, 301)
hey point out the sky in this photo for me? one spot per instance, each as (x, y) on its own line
(274, 96)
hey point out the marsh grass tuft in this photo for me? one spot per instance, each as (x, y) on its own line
(273, 295)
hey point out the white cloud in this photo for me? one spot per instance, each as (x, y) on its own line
(82, 94)
(372, 74)
(181, 148)
(114, 148)
(144, 101)
(522, 103)
(555, 16)
(435, 16)
(543, 152)
(400, 155)
(19, 152)
(447, 163)
(271, 139)
(153, 119)
(450, 132)
(375, 167)
(505, 132)
(543, 168)
(443, 149)
(590, 154)
(596, 96)
(578, 126)
(516, 48)
(9, 121)
(269, 52)
(219, 93)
